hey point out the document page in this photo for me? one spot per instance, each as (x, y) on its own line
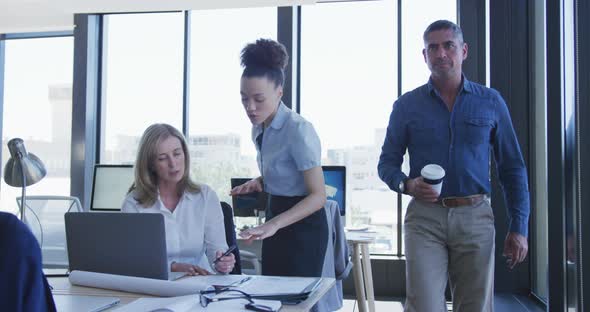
(190, 303)
(278, 285)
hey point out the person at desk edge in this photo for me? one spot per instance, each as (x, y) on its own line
(295, 233)
(455, 123)
(23, 287)
(192, 212)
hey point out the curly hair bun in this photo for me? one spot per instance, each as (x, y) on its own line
(265, 53)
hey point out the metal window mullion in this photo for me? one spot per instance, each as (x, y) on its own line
(555, 156)
(186, 74)
(399, 93)
(2, 68)
(297, 81)
(285, 35)
(35, 35)
(84, 105)
(100, 95)
(582, 10)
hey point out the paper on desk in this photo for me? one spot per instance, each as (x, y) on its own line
(189, 285)
(140, 285)
(178, 304)
(191, 303)
(277, 285)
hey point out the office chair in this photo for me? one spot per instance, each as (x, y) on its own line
(337, 262)
(230, 236)
(44, 215)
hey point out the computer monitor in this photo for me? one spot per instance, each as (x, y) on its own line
(110, 186)
(335, 179)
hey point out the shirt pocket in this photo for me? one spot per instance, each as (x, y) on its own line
(425, 134)
(477, 130)
(277, 164)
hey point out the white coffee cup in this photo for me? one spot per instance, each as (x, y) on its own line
(433, 174)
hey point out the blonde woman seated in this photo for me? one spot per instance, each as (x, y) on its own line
(192, 212)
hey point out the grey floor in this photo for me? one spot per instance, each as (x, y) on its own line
(502, 303)
(510, 302)
(380, 305)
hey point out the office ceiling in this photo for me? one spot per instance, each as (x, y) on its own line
(19, 16)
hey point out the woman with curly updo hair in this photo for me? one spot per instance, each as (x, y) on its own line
(295, 233)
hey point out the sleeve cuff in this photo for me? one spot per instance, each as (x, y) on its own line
(519, 227)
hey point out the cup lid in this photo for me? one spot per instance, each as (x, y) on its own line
(433, 172)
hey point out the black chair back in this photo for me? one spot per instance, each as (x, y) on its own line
(230, 235)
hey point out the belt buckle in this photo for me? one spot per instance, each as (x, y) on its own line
(443, 202)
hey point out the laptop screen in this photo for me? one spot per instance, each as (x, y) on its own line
(111, 183)
(335, 179)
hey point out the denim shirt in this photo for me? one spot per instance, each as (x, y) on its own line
(460, 141)
(288, 147)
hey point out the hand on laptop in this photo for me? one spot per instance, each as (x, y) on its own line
(225, 263)
(190, 269)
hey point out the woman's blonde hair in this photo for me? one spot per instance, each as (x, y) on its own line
(146, 179)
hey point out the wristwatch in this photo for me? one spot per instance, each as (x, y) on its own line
(402, 186)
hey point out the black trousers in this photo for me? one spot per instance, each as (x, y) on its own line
(298, 249)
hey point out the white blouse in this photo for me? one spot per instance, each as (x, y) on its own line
(194, 231)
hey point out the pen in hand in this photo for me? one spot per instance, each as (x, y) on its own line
(225, 254)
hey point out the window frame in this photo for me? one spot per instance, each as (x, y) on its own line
(289, 34)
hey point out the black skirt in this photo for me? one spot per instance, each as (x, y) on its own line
(298, 249)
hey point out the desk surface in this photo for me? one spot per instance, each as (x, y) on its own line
(360, 237)
(62, 286)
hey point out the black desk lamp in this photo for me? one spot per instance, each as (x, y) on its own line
(22, 169)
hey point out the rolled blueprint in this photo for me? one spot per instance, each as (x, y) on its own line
(140, 285)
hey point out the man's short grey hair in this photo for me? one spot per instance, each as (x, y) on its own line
(443, 25)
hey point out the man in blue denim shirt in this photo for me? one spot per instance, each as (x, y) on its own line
(454, 123)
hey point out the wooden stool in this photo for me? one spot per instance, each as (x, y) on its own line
(363, 275)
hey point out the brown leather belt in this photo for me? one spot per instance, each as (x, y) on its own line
(452, 202)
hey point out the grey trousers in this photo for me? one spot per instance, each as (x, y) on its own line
(454, 244)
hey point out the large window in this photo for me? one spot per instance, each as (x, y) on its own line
(348, 85)
(417, 15)
(344, 76)
(38, 109)
(142, 79)
(219, 131)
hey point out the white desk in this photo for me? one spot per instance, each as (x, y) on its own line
(62, 286)
(363, 275)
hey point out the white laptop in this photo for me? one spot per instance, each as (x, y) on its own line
(78, 303)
